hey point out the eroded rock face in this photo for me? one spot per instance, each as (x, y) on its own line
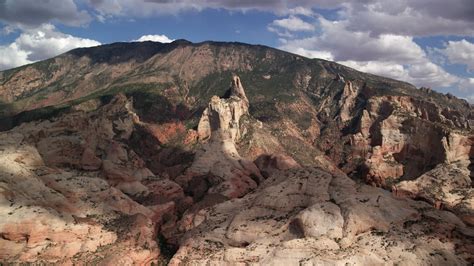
(222, 115)
(62, 216)
(399, 137)
(72, 190)
(448, 186)
(270, 163)
(313, 216)
(229, 174)
(347, 101)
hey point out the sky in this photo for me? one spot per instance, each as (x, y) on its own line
(428, 43)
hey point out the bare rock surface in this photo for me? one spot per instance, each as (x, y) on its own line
(69, 189)
(312, 216)
(229, 174)
(52, 215)
(447, 186)
(298, 173)
(222, 115)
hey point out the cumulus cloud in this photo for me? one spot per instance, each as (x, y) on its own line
(157, 7)
(154, 38)
(411, 17)
(326, 55)
(467, 85)
(12, 56)
(403, 17)
(389, 55)
(460, 52)
(293, 23)
(377, 37)
(360, 46)
(299, 10)
(38, 44)
(33, 13)
(470, 98)
(423, 73)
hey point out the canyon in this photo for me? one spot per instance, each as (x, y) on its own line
(229, 153)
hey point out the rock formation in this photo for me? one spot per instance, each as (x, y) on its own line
(312, 216)
(115, 155)
(67, 189)
(229, 174)
(222, 116)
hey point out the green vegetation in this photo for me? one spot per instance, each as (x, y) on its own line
(47, 68)
(6, 75)
(216, 83)
(303, 120)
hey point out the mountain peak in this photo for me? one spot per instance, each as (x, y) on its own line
(181, 41)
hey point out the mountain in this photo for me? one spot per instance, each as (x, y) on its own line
(147, 147)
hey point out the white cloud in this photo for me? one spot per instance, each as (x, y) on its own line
(387, 69)
(140, 8)
(11, 56)
(359, 46)
(293, 23)
(402, 17)
(424, 74)
(154, 38)
(467, 85)
(280, 32)
(389, 55)
(411, 17)
(460, 52)
(38, 44)
(299, 10)
(313, 53)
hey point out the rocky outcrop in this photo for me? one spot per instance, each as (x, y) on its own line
(313, 216)
(227, 173)
(448, 186)
(347, 101)
(72, 190)
(222, 116)
(270, 163)
(61, 216)
(402, 138)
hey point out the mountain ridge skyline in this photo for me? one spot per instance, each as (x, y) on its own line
(426, 43)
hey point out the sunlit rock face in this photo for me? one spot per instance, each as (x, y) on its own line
(222, 116)
(319, 217)
(233, 176)
(60, 203)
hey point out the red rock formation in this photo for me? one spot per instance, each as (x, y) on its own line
(219, 128)
(97, 184)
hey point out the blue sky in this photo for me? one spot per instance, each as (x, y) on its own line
(425, 42)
